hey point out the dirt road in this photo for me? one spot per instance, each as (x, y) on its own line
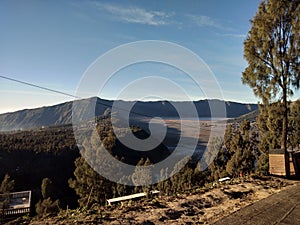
(280, 208)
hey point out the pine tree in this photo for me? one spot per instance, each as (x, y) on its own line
(272, 49)
(46, 206)
(217, 168)
(6, 187)
(47, 188)
(181, 175)
(89, 185)
(143, 175)
(294, 125)
(7, 184)
(241, 149)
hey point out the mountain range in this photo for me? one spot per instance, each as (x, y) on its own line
(62, 113)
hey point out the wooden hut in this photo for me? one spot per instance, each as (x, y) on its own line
(277, 164)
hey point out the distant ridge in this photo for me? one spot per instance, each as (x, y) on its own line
(62, 113)
(251, 116)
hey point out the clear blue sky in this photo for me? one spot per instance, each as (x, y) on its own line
(52, 43)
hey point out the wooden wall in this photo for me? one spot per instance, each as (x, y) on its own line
(276, 163)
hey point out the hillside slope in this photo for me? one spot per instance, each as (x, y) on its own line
(200, 206)
(62, 113)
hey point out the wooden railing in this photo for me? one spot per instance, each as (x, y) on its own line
(14, 204)
(8, 212)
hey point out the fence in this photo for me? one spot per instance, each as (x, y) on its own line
(15, 203)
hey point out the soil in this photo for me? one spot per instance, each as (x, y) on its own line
(205, 205)
(280, 208)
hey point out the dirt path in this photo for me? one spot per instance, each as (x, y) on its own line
(280, 208)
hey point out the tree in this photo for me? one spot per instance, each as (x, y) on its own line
(143, 175)
(217, 167)
(272, 49)
(237, 153)
(47, 206)
(181, 175)
(294, 125)
(89, 185)
(47, 191)
(243, 145)
(7, 184)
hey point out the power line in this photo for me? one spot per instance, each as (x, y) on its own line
(38, 86)
(74, 96)
(63, 93)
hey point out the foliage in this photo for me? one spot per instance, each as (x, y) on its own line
(294, 125)
(143, 175)
(7, 185)
(181, 180)
(47, 206)
(52, 140)
(47, 188)
(29, 156)
(244, 146)
(239, 152)
(272, 49)
(93, 188)
(218, 165)
(89, 185)
(269, 124)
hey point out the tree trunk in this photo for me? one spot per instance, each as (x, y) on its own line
(284, 133)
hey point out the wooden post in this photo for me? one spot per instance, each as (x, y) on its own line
(287, 163)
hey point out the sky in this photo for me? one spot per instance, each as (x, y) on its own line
(53, 43)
